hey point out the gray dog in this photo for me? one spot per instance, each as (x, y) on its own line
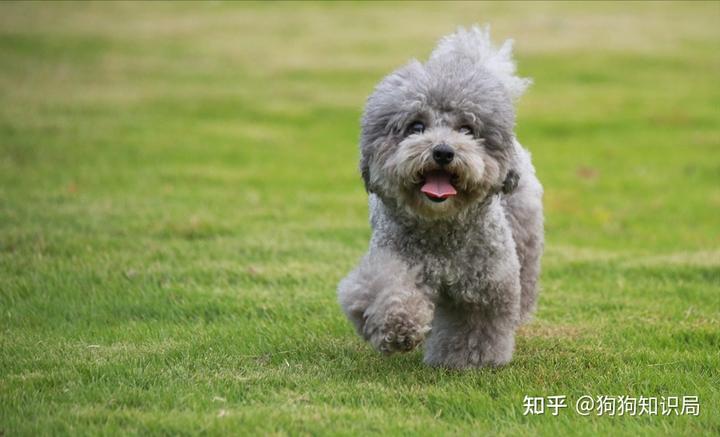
(455, 209)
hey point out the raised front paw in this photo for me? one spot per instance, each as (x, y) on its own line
(397, 332)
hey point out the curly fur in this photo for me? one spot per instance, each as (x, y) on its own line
(460, 274)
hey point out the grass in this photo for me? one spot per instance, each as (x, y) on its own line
(179, 197)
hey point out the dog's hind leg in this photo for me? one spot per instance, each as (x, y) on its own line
(385, 301)
(524, 211)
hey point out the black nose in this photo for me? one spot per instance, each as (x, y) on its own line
(443, 154)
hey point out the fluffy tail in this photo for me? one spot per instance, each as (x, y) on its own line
(474, 44)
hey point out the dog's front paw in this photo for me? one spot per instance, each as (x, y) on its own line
(397, 332)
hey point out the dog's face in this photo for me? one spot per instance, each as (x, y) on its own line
(436, 138)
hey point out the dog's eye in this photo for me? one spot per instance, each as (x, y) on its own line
(467, 130)
(416, 127)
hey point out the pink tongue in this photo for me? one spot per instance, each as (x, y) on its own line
(437, 184)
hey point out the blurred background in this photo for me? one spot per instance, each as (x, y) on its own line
(179, 181)
(254, 108)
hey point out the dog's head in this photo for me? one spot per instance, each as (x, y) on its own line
(437, 137)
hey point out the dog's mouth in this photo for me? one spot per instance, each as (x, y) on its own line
(437, 185)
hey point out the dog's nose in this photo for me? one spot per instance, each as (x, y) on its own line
(443, 154)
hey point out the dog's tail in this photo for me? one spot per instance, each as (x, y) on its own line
(474, 44)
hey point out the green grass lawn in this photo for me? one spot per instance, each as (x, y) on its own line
(179, 197)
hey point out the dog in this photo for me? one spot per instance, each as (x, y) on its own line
(455, 209)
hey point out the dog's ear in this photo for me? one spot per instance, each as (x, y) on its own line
(511, 181)
(365, 171)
